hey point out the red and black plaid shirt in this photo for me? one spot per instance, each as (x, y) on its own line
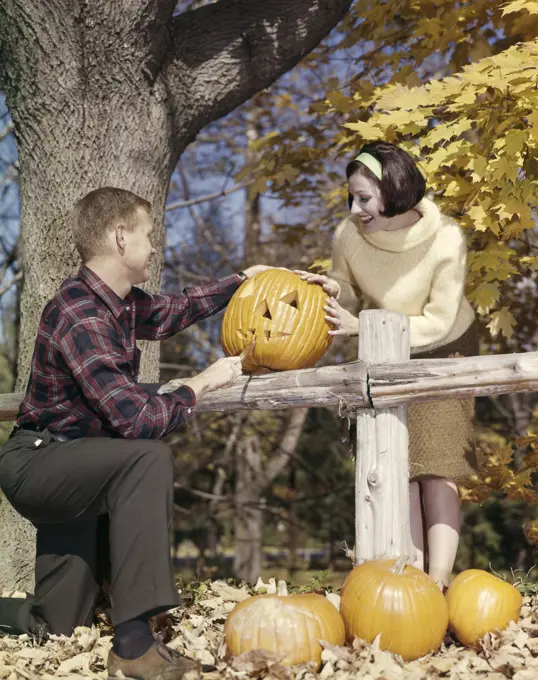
(83, 381)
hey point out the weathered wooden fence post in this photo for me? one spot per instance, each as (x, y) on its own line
(382, 523)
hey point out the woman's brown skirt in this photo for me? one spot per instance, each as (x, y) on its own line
(441, 433)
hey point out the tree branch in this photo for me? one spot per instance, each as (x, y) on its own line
(286, 449)
(4, 289)
(225, 52)
(207, 197)
(6, 130)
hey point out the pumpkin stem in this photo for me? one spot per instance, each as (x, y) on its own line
(282, 588)
(399, 565)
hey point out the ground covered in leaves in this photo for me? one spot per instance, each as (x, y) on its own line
(196, 629)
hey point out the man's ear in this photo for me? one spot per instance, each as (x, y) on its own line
(120, 236)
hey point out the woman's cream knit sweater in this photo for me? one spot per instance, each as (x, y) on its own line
(419, 271)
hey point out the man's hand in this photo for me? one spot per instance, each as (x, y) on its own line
(330, 286)
(223, 373)
(343, 321)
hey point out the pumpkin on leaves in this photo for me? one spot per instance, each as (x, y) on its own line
(397, 601)
(480, 603)
(284, 315)
(288, 625)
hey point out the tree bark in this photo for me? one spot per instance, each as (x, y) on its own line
(108, 93)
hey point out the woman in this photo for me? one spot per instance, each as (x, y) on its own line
(397, 251)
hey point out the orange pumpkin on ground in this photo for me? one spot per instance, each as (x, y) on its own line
(285, 317)
(397, 601)
(480, 603)
(288, 625)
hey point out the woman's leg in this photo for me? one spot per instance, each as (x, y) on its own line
(442, 519)
(417, 531)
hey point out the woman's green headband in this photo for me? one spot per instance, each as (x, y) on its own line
(371, 163)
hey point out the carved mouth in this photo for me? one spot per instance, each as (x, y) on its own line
(267, 333)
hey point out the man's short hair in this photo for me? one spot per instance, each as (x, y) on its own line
(402, 185)
(98, 212)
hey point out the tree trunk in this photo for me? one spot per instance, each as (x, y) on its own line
(292, 519)
(248, 511)
(251, 481)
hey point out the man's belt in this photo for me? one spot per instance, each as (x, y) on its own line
(32, 427)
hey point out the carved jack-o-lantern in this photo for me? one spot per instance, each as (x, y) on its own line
(285, 317)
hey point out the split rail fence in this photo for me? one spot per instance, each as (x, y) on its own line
(376, 390)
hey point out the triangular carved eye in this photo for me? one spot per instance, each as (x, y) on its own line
(291, 299)
(263, 310)
(244, 335)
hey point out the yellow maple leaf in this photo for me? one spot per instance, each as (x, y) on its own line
(515, 140)
(365, 130)
(321, 265)
(259, 185)
(532, 120)
(443, 132)
(491, 257)
(406, 97)
(502, 321)
(503, 168)
(518, 5)
(454, 188)
(340, 102)
(482, 218)
(529, 261)
(485, 295)
(479, 166)
(508, 208)
(531, 531)
(501, 273)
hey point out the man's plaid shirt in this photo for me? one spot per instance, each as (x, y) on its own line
(83, 381)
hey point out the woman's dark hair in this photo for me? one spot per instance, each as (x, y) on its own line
(402, 185)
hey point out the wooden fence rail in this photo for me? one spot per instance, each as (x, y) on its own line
(358, 384)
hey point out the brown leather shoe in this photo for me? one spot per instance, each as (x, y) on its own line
(158, 663)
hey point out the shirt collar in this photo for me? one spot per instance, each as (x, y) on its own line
(96, 284)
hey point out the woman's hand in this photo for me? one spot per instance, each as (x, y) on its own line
(343, 321)
(330, 286)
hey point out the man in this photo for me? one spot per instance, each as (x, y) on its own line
(87, 437)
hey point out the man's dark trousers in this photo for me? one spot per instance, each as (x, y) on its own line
(62, 488)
